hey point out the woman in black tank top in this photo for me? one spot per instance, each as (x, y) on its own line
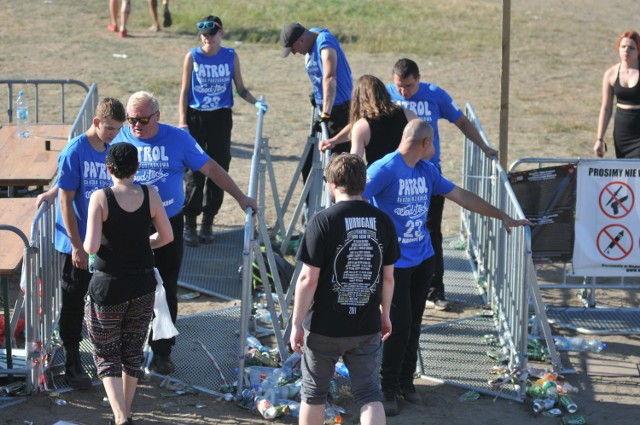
(622, 83)
(375, 124)
(120, 299)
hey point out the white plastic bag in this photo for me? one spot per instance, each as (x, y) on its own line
(162, 325)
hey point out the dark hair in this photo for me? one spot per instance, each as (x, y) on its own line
(110, 108)
(122, 160)
(347, 171)
(405, 68)
(632, 35)
(370, 99)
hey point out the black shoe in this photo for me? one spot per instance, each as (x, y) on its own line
(410, 394)
(162, 365)
(205, 235)
(390, 404)
(129, 422)
(167, 18)
(190, 236)
(75, 375)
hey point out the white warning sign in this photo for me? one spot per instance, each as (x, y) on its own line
(606, 236)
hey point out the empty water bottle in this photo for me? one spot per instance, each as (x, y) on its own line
(565, 343)
(22, 115)
(254, 342)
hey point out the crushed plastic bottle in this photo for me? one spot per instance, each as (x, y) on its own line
(565, 343)
(566, 388)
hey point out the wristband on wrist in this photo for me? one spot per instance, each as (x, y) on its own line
(325, 116)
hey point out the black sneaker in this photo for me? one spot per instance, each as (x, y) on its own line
(190, 236)
(205, 235)
(410, 395)
(162, 365)
(390, 405)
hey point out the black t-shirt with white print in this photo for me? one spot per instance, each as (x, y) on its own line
(350, 242)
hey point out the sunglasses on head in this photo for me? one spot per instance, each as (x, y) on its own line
(208, 24)
(141, 120)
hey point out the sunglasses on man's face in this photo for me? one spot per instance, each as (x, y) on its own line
(141, 120)
(208, 24)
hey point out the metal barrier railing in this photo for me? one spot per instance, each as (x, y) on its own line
(42, 263)
(257, 235)
(505, 261)
(37, 84)
(41, 301)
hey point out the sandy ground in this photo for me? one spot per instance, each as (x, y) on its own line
(558, 54)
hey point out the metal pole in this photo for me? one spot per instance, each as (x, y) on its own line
(504, 83)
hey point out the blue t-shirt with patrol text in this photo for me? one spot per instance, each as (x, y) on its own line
(163, 159)
(211, 80)
(430, 103)
(81, 169)
(313, 65)
(404, 193)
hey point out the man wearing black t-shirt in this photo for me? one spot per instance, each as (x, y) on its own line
(343, 294)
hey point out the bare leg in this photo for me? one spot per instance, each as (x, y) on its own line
(153, 8)
(113, 9)
(115, 393)
(372, 414)
(129, 388)
(312, 414)
(124, 16)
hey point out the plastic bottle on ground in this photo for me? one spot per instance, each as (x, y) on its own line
(254, 342)
(22, 115)
(566, 388)
(565, 343)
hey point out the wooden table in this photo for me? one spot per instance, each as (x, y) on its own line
(18, 212)
(25, 161)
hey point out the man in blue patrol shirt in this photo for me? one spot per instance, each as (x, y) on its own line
(164, 152)
(82, 170)
(402, 184)
(431, 103)
(329, 73)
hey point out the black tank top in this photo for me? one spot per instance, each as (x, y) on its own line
(626, 95)
(386, 133)
(125, 247)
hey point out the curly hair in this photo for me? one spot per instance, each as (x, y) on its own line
(370, 99)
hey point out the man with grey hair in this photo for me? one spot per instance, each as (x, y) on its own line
(402, 184)
(164, 152)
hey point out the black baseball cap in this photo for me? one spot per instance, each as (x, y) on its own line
(289, 35)
(122, 155)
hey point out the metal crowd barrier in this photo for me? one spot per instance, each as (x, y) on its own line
(590, 320)
(257, 234)
(41, 301)
(505, 261)
(35, 97)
